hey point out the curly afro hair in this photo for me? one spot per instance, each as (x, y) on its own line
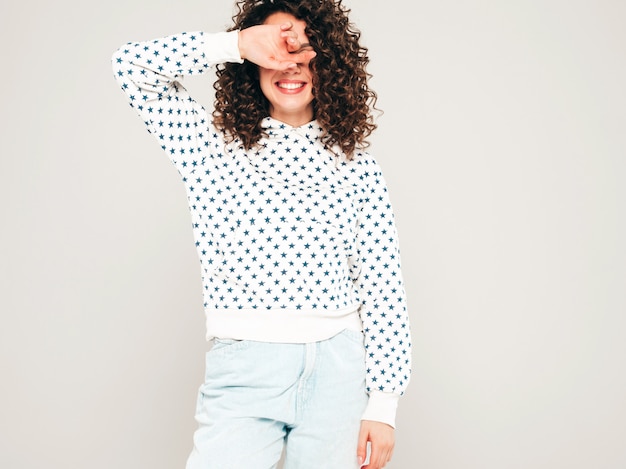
(343, 101)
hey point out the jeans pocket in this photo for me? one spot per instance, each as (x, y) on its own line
(223, 344)
(354, 336)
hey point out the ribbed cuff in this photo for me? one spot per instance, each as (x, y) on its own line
(221, 47)
(382, 407)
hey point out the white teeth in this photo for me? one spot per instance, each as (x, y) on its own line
(290, 86)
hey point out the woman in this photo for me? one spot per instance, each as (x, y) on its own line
(303, 292)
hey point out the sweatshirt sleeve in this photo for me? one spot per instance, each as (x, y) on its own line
(150, 74)
(382, 295)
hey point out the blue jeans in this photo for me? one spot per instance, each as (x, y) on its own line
(258, 396)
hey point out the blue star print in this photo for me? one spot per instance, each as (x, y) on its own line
(288, 225)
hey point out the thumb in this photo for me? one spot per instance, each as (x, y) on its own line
(361, 449)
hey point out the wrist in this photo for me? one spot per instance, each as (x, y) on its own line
(241, 43)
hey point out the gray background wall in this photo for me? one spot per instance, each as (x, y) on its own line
(503, 142)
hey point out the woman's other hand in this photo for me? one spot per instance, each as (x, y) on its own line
(381, 438)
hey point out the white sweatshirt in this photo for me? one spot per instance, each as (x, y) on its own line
(295, 243)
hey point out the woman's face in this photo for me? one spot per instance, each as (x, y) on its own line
(289, 92)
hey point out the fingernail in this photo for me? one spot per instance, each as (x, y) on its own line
(359, 460)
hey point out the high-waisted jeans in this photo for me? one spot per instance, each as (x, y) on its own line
(259, 396)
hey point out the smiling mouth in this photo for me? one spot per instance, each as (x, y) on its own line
(290, 85)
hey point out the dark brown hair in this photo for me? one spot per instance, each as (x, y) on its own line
(343, 101)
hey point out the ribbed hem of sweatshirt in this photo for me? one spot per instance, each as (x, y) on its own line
(382, 407)
(280, 325)
(222, 47)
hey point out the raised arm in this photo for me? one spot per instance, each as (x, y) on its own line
(150, 74)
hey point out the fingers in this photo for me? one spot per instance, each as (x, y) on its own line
(361, 449)
(291, 39)
(379, 457)
(303, 56)
(381, 439)
(295, 59)
(275, 47)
